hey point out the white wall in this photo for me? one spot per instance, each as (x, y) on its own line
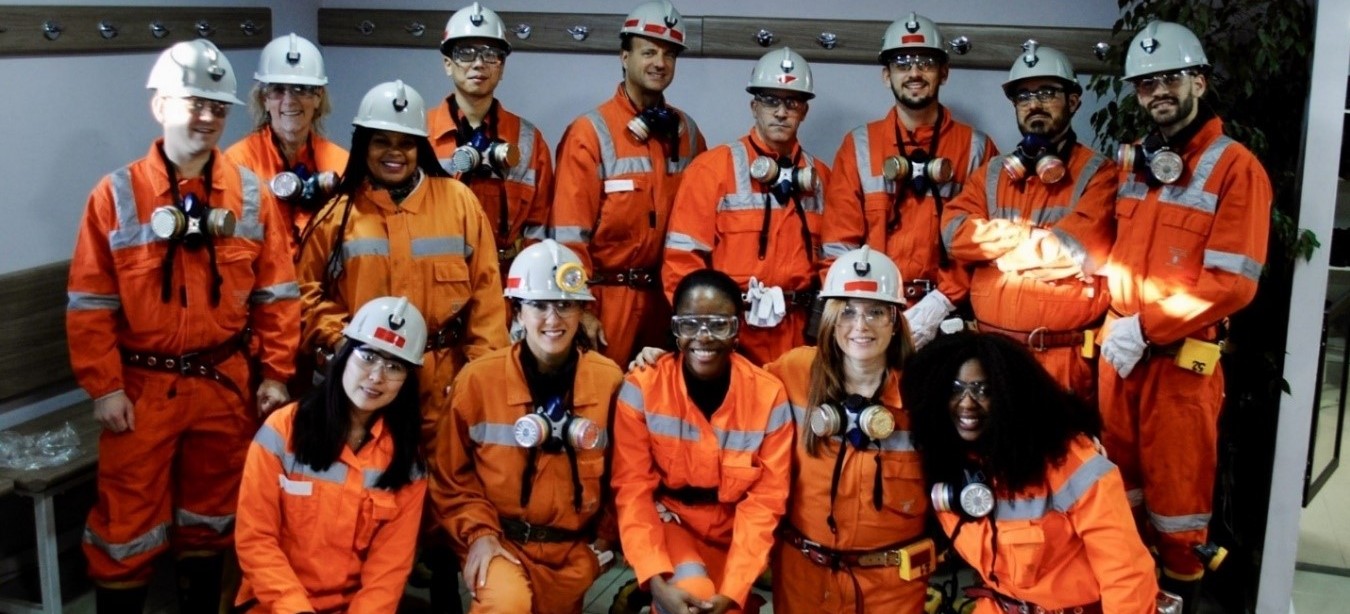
(66, 121)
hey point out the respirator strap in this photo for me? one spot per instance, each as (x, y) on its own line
(834, 483)
(527, 478)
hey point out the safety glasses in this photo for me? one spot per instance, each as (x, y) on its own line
(717, 327)
(1169, 80)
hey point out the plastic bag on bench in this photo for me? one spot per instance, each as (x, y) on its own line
(39, 450)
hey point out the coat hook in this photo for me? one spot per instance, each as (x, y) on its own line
(107, 30)
(579, 32)
(158, 30)
(52, 30)
(249, 28)
(366, 27)
(416, 28)
(522, 31)
(1100, 50)
(204, 28)
(764, 37)
(960, 45)
(828, 40)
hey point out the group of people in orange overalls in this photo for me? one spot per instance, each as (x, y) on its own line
(449, 310)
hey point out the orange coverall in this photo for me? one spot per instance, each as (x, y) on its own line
(1079, 212)
(179, 469)
(528, 186)
(800, 585)
(611, 205)
(324, 541)
(258, 153)
(860, 201)
(716, 223)
(745, 452)
(1186, 256)
(434, 248)
(476, 479)
(1069, 543)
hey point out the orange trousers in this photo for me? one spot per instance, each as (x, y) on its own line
(1161, 427)
(632, 319)
(550, 579)
(803, 587)
(765, 345)
(1076, 374)
(699, 565)
(174, 480)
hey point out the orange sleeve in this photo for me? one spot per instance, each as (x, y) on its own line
(845, 228)
(692, 232)
(1088, 232)
(462, 505)
(576, 190)
(95, 302)
(485, 329)
(323, 315)
(968, 232)
(635, 480)
(536, 215)
(1123, 568)
(385, 571)
(275, 302)
(1234, 255)
(257, 532)
(757, 515)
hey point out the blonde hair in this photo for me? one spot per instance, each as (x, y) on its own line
(257, 107)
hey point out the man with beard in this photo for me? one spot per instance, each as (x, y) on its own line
(892, 176)
(1034, 226)
(1193, 212)
(619, 167)
(752, 209)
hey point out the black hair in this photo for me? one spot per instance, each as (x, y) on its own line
(1032, 419)
(323, 420)
(358, 169)
(708, 278)
(626, 43)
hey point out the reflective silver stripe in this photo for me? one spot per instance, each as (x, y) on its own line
(991, 174)
(250, 225)
(1081, 183)
(269, 439)
(799, 415)
(632, 395)
(535, 232)
(130, 232)
(357, 248)
(610, 163)
(1075, 249)
(1193, 194)
(977, 142)
(571, 234)
(691, 132)
(1022, 509)
(522, 172)
(685, 243)
(862, 152)
(430, 247)
(219, 524)
(899, 441)
(1063, 499)
(835, 250)
(1237, 264)
(949, 232)
(272, 441)
(744, 197)
(154, 539)
(84, 301)
(739, 441)
(1179, 524)
(742, 202)
(369, 477)
(1132, 187)
(687, 570)
(272, 294)
(493, 433)
(1135, 496)
(670, 426)
(779, 417)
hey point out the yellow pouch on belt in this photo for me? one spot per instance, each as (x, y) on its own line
(1198, 356)
(918, 560)
(1089, 344)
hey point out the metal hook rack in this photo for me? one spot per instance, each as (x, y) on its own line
(58, 30)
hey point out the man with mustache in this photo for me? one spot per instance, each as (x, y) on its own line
(893, 176)
(1193, 213)
(1035, 226)
(619, 167)
(752, 209)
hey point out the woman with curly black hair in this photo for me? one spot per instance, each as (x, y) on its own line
(1019, 485)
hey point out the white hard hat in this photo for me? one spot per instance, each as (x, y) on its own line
(194, 68)
(547, 271)
(391, 325)
(393, 106)
(657, 19)
(913, 32)
(291, 59)
(1038, 61)
(1163, 46)
(474, 21)
(863, 273)
(782, 69)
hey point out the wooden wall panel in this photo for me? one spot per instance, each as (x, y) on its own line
(23, 28)
(33, 350)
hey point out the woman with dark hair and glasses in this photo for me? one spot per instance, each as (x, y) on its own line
(856, 516)
(703, 451)
(1020, 487)
(519, 480)
(332, 492)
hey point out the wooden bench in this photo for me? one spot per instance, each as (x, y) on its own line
(33, 361)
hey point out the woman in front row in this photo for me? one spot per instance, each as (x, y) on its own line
(332, 489)
(1019, 486)
(702, 456)
(856, 516)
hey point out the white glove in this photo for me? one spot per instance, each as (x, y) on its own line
(926, 315)
(1124, 345)
(667, 515)
(766, 306)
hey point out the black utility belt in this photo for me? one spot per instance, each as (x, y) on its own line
(689, 495)
(634, 278)
(913, 559)
(523, 532)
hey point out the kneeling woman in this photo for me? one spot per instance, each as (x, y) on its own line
(857, 513)
(703, 449)
(519, 473)
(333, 487)
(1019, 486)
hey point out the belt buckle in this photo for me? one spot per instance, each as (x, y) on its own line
(528, 534)
(1036, 339)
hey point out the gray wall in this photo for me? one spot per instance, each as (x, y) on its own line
(69, 120)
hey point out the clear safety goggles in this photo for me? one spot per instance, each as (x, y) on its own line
(717, 327)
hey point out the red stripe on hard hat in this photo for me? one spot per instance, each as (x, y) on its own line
(513, 282)
(630, 23)
(785, 79)
(654, 29)
(390, 337)
(862, 285)
(912, 38)
(677, 35)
